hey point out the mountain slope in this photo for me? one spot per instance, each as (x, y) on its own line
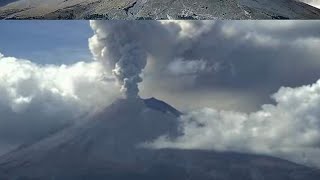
(105, 146)
(159, 9)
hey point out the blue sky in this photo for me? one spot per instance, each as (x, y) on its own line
(46, 42)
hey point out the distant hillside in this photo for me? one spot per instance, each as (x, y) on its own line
(159, 9)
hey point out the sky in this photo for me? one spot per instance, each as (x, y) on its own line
(253, 85)
(53, 42)
(4, 2)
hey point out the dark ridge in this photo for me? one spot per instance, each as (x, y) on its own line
(279, 17)
(97, 16)
(126, 9)
(161, 106)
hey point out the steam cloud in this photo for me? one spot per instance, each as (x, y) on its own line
(289, 129)
(37, 100)
(113, 45)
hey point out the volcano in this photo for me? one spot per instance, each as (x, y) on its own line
(158, 9)
(106, 146)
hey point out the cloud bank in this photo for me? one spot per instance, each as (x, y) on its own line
(289, 129)
(36, 100)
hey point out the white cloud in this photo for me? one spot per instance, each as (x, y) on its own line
(289, 129)
(22, 82)
(37, 99)
(315, 3)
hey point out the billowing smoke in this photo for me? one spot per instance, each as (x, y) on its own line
(113, 45)
(125, 47)
(187, 57)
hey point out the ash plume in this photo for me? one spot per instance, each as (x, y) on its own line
(120, 53)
